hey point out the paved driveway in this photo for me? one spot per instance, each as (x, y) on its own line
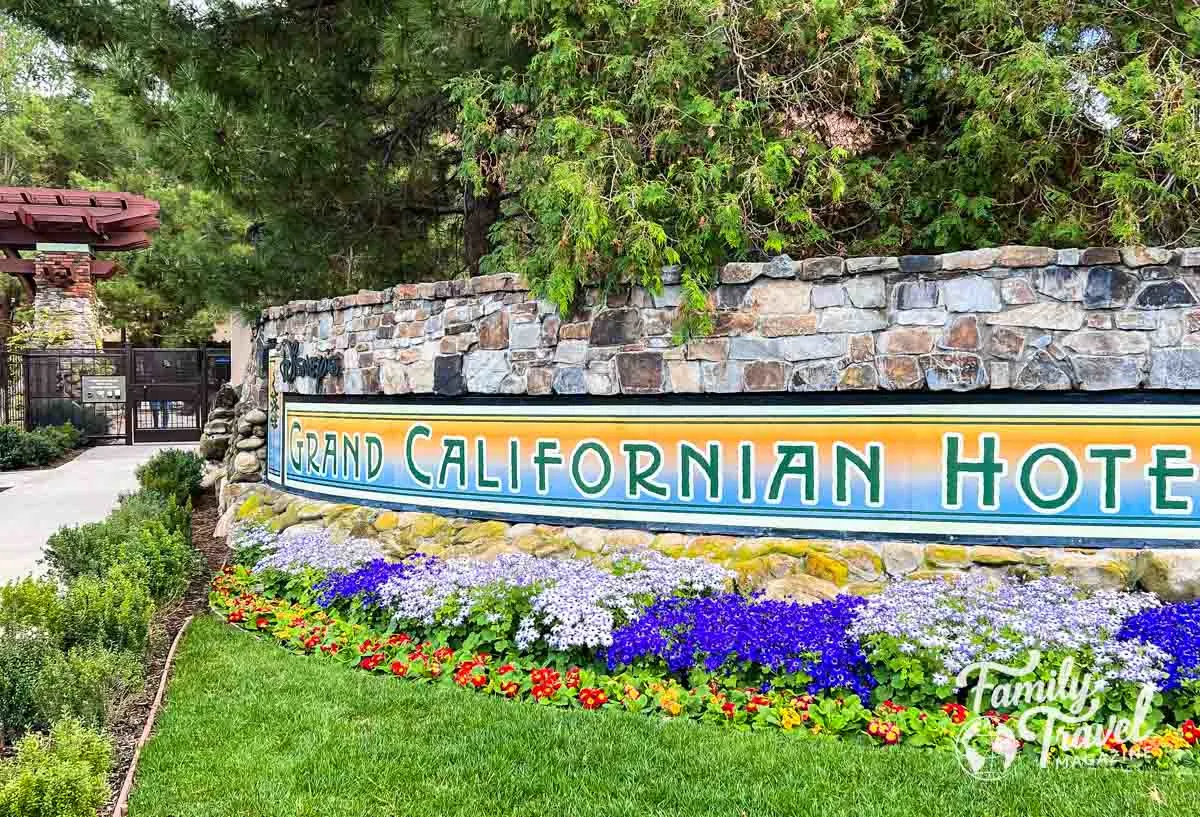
(37, 503)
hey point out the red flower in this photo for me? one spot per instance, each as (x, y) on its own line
(572, 679)
(1190, 732)
(443, 654)
(802, 702)
(331, 649)
(435, 670)
(506, 669)
(237, 617)
(541, 691)
(510, 688)
(399, 669)
(369, 646)
(398, 639)
(298, 621)
(479, 681)
(890, 706)
(728, 708)
(957, 712)
(592, 697)
(261, 622)
(370, 662)
(545, 676)
(755, 702)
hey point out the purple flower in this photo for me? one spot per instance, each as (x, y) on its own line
(564, 604)
(363, 583)
(1174, 629)
(726, 633)
(317, 550)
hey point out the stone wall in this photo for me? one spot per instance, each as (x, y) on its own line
(1013, 317)
(802, 569)
(1027, 318)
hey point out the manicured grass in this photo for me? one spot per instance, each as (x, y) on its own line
(250, 729)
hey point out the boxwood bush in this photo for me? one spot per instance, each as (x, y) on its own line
(61, 774)
(172, 472)
(31, 449)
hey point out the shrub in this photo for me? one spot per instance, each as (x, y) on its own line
(146, 528)
(23, 654)
(24, 449)
(31, 602)
(88, 683)
(113, 611)
(63, 774)
(174, 473)
(90, 422)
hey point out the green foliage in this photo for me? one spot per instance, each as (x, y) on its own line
(146, 532)
(31, 602)
(62, 774)
(112, 611)
(59, 412)
(88, 683)
(23, 654)
(172, 472)
(30, 449)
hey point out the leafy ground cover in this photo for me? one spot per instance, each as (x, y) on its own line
(253, 730)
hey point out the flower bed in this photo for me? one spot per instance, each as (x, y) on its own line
(674, 638)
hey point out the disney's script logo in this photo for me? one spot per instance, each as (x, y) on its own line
(293, 366)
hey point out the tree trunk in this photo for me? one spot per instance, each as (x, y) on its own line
(481, 209)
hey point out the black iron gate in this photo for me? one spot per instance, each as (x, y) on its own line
(135, 395)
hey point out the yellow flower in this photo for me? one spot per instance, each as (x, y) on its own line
(670, 706)
(790, 717)
(816, 729)
(631, 693)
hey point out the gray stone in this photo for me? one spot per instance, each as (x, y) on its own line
(765, 375)
(812, 347)
(816, 268)
(872, 263)
(483, 371)
(245, 463)
(1188, 257)
(1042, 372)
(670, 297)
(808, 377)
(1144, 256)
(1017, 291)
(573, 351)
(641, 372)
(672, 274)
(570, 380)
(902, 558)
(721, 378)
(921, 317)
(867, 292)
(1060, 283)
(683, 376)
(858, 377)
(753, 348)
(525, 335)
(1067, 317)
(1165, 295)
(962, 334)
(1106, 342)
(954, 371)
(915, 295)
(616, 327)
(900, 372)
(781, 266)
(1069, 258)
(740, 273)
(393, 377)
(493, 331)
(1018, 255)
(970, 294)
(1168, 333)
(1108, 287)
(1175, 369)
(1133, 319)
(1000, 374)
(1093, 256)
(850, 319)
(255, 417)
(824, 295)
(731, 296)
(250, 444)
(1104, 373)
(214, 448)
(1006, 344)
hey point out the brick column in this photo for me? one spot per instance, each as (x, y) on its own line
(65, 304)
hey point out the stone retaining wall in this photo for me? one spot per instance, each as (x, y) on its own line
(802, 569)
(1014, 317)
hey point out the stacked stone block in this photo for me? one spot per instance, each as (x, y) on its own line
(1029, 318)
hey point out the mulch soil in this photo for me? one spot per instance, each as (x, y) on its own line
(131, 720)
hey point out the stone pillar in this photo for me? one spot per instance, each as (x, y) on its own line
(65, 303)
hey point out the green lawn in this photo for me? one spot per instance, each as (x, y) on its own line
(250, 729)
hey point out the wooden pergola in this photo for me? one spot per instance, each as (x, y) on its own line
(33, 217)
